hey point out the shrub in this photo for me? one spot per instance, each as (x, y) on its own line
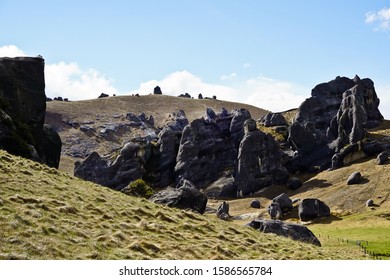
(138, 188)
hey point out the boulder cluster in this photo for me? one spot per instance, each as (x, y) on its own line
(224, 154)
(22, 111)
(227, 154)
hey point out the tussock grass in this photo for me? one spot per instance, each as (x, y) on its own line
(52, 215)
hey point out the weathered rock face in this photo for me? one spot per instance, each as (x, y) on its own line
(312, 208)
(273, 119)
(284, 201)
(258, 159)
(337, 114)
(184, 196)
(22, 94)
(293, 231)
(127, 167)
(209, 146)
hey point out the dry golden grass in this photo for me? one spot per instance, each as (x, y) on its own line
(47, 214)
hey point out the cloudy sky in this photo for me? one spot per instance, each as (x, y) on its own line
(266, 53)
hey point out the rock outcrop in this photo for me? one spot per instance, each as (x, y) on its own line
(184, 196)
(22, 111)
(209, 146)
(337, 114)
(258, 160)
(273, 119)
(290, 230)
(312, 208)
(127, 167)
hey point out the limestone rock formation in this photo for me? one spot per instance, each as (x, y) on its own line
(312, 208)
(258, 159)
(184, 196)
(337, 114)
(127, 167)
(209, 147)
(23, 107)
(290, 230)
(273, 119)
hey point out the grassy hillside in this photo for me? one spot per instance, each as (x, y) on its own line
(350, 219)
(46, 214)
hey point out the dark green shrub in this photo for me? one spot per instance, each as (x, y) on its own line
(138, 188)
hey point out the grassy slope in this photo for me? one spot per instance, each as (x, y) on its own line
(46, 214)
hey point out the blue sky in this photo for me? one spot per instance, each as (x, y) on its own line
(267, 53)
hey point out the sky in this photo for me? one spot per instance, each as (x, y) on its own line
(265, 53)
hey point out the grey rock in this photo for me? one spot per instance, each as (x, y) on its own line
(157, 90)
(354, 178)
(103, 95)
(184, 196)
(223, 187)
(22, 92)
(284, 202)
(338, 114)
(258, 157)
(273, 119)
(294, 183)
(223, 211)
(290, 230)
(369, 203)
(274, 211)
(312, 208)
(255, 204)
(382, 158)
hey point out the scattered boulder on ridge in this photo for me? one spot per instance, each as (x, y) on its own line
(157, 90)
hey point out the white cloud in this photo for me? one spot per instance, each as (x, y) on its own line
(246, 65)
(231, 76)
(383, 92)
(68, 80)
(262, 92)
(274, 95)
(11, 51)
(382, 17)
